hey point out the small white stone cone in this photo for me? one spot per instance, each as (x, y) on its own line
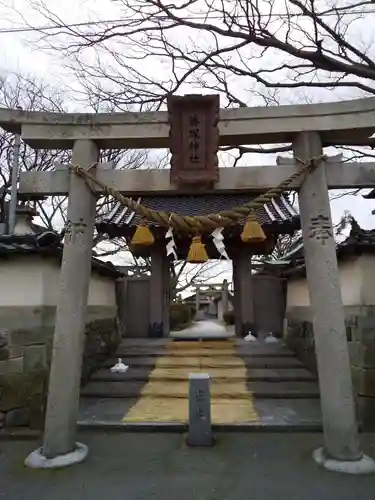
(250, 338)
(270, 339)
(119, 367)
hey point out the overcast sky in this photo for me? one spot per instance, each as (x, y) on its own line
(18, 56)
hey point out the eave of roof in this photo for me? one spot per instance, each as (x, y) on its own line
(358, 242)
(47, 243)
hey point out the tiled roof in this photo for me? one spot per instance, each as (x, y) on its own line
(30, 243)
(360, 237)
(359, 241)
(46, 243)
(370, 195)
(278, 210)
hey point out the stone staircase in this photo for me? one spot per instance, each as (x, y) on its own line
(251, 383)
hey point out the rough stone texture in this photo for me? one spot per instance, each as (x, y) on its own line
(364, 465)
(4, 341)
(299, 337)
(34, 325)
(4, 338)
(4, 354)
(12, 365)
(21, 393)
(339, 176)
(64, 384)
(200, 433)
(360, 327)
(34, 357)
(259, 125)
(36, 459)
(19, 417)
(102, 338)
(336, 390)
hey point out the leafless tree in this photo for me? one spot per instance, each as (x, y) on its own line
(29, 94)
(278, 44)
(258, 52)
(185, 275)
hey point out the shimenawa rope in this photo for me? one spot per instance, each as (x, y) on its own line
(197, 223)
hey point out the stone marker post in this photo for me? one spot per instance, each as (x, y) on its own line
(68, 341)
(336, 392)
(200, 433)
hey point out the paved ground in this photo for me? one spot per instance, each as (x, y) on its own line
(159, 466)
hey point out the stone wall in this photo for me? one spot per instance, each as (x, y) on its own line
(360, 326)
(24, 369)
(23, 386)
(102, 338)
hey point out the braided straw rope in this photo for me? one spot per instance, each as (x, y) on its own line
(197, 223)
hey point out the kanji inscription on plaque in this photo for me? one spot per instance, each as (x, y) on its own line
(195, 152)
(194, 139)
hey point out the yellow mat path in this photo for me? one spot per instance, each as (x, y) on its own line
(165, 397)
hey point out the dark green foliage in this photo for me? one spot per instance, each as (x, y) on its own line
(181, 315)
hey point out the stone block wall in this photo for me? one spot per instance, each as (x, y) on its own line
(23, 387)
(360, 327)
(361, 332)
(102, 338)
(24, 368)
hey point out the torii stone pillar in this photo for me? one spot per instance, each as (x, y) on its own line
(341, 451)
(59, 442)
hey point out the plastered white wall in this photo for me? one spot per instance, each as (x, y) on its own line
(351, 274)
(34, 281)
(367, 263)
(21, 281)
(101, 290)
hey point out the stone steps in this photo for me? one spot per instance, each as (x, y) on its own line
(209, 361)
(190, 348)
(219, 389)
(249, 382)
(232, 374)
(143, 352)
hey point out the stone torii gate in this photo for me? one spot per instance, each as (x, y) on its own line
(309, 128)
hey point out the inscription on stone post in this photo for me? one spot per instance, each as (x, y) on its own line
(200, 433)
(73, 229)
(194, 139)
(320, 228)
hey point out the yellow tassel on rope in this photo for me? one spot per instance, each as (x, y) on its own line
(197, 252)
(142, 236)
(252, 231)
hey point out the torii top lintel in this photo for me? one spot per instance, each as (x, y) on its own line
(345, 122)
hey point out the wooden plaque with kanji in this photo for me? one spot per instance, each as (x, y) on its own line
(194, 139)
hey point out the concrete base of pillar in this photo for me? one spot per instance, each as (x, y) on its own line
(365, 465)
(36, 460)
